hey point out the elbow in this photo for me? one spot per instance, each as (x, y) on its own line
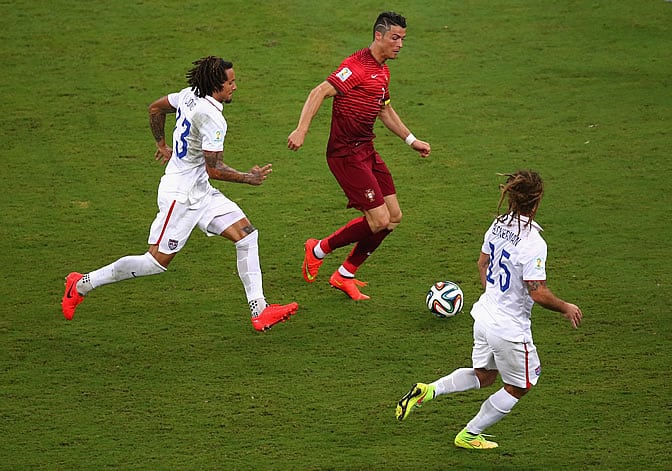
(153, 108)
(317, 96)
(323, 91)
(153, 111)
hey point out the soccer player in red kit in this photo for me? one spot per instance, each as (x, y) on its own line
(360, 91)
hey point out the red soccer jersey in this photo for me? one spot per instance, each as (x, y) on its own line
(362, 84)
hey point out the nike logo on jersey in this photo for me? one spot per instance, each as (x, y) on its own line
(374, 76)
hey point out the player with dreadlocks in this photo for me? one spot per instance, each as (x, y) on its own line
(512, 266)
(523, 190)
(187, 200)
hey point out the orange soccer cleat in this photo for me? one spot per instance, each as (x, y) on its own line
(348, 286)
(311, 264)
(71, 297)
(272, 314)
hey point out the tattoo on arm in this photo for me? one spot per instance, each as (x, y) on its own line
(157, 122)
(534, 285)
(218, 170)
(212, 158)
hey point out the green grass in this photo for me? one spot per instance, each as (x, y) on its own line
(167, 373)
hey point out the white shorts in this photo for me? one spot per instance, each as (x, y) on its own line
(517, 362)
(175, 221)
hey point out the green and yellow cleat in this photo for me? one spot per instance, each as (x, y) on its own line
(416, 397)
(470, 441)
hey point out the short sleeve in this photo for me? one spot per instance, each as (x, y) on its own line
(346, 77)
(174, 99)
(534, 265)
(212, 134)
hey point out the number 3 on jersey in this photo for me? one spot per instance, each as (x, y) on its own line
(183, 124)
(505, 277)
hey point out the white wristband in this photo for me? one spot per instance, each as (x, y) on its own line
(410, 139)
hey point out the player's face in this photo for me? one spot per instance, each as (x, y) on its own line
(225, 95)
(391, 42)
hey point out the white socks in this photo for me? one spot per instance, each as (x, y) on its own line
(344, 272)
(462, 379)
(492, 411)
(249, 271)
(131, 266)
(257, 306)
(318, 252)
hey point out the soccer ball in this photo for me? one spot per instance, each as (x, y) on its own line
(445, 299)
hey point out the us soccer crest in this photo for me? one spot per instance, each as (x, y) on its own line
(172, 244)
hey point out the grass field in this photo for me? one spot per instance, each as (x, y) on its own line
(166, 373)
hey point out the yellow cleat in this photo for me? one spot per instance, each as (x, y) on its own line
(416, 397)
(470, 441)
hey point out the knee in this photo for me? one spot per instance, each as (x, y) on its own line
(248, 239)
(379, 222)
(384, 221)
(395, 220)
(160, 258)
(515, 391)
(486, 377)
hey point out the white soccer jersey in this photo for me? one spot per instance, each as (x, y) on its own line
(516, 255)
(199, 126)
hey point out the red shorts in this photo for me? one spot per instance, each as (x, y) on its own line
(363, 176)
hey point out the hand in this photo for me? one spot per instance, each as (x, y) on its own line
(423, 148)
(573, 314)
(258, 174)
(163, 154)
(295, 139)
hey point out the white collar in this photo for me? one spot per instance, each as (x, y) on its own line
(510, 218)
(214, 102)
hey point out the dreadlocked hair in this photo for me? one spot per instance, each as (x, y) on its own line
(523, 190)
(207, 75)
